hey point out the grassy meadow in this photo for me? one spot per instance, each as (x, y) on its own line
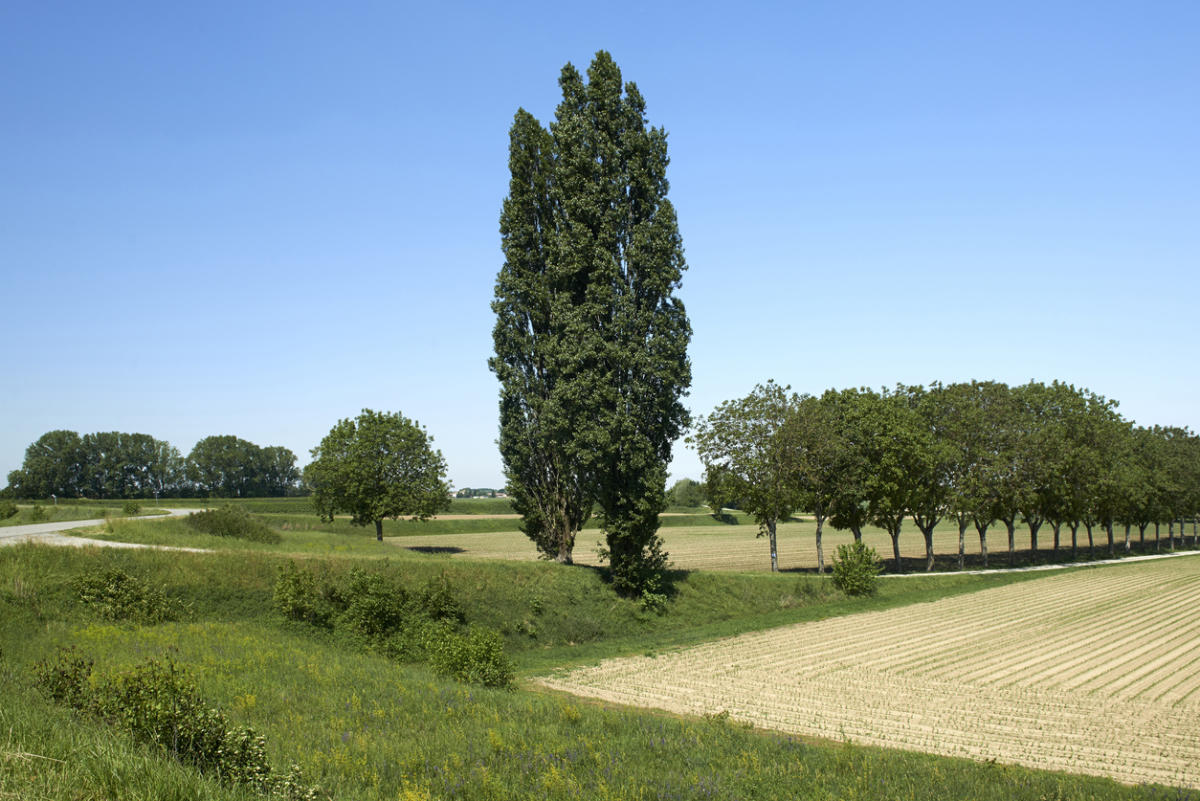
(28, 514)
(363, 726)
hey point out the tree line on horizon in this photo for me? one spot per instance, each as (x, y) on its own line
(982, 454)
(114, 464)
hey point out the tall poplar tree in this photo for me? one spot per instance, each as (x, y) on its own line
(592, 248)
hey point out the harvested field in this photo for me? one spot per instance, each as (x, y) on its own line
(1093, 671)
(736, 547)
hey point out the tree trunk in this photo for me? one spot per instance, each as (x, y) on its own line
(1157, 543)
(1127, 543)
(962, 538)
(1171, 534)
(820, 546)
(1091, 542)
(1057, 528)
(565, 547)
(857, 532)
(928, 532)
(774, 553)
(896, 549)
(1033, 532)
(1108, 530)
(379, 530)
(1142, 534)
(982, 543)
(1012, 545)
(1074, 541)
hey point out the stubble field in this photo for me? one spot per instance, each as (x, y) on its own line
(1094, 671)
(736, 548)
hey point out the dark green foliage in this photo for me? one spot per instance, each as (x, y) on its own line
(158, 703)
(7, 509)
(377, 466)
(301, 595)
(116, 595)
(374, 605)
(37, 514)
(476, 657)
(230, 467)
(378, 612)
(591, 343)
(233, 521)
(131, 508)
(856, 569)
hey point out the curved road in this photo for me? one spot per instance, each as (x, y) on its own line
(47, 533)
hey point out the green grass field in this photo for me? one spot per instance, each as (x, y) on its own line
(364, 727)
(27, 514)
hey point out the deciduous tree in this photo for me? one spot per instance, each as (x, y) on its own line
(378, 466)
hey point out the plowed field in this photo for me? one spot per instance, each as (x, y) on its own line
(1094, 671)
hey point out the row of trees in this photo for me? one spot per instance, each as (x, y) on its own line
(113, 464)
(590, 339)
(983, 454)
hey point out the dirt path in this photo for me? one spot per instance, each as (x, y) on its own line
(49, 534)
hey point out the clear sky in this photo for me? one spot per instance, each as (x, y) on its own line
(257, 218)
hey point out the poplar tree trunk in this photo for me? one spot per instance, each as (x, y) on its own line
(896, 549)
(1074, 541)
(1157, 542)
(857, 532)
(1091, 542)
(1108, 530)
(1127, 543)
(1033, 543)
(962, 537)
(1171, 534)
(379, 530)
(1012, 545)
(1057, 527)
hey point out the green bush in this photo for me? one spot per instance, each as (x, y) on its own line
(856, 569)
(131, 508)
(300, 595)
(37, 514)
(116, 595)
(157, 702)
(409, 627)
(476, 657)
(7, 509)
(231, 521)
(374, 606)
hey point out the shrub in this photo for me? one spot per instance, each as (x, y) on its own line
(116, 595)
(230, 521)
(157, 702)
(38, 513)
(437, 601)
(7, 509)
(476, 657)
(856, 569)
(300, 595)
(375, 607)
(131, 508)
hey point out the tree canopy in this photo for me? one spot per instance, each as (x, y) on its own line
(379, 465)
(591, 341)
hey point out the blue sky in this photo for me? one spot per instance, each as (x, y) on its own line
(258, 218)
